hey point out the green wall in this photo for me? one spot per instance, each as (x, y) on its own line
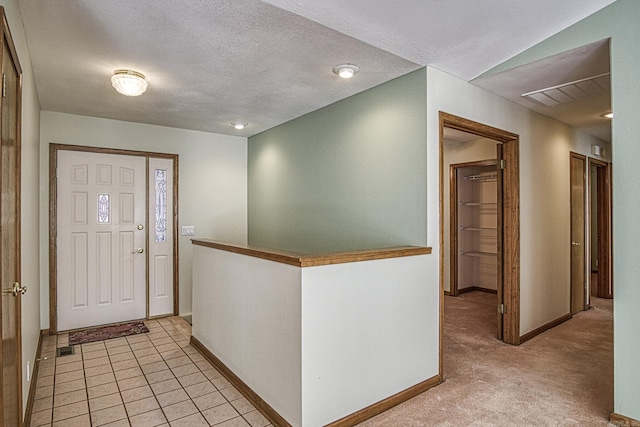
(621, 22)
(349, 176)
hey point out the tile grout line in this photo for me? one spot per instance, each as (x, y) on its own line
(178, 339)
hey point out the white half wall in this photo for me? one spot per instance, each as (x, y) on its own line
(369, 330)
(212, 181)
(318, 343)
(247, 312)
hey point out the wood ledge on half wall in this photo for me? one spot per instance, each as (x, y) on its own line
(309, 260)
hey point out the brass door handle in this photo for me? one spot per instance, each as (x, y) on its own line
(15, 290)
(138, 251)
(575, 244)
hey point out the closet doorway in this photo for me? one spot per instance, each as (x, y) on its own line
(474, 227)
(479, 213)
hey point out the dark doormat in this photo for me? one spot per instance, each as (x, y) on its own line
(107, 332)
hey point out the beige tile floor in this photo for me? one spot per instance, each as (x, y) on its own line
(145, 380)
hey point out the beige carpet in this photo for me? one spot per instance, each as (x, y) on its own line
(563, 377)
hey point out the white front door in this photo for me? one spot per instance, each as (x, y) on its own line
(101, 260)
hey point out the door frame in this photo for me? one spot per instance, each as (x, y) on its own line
(510, 221)
(53, 215)
(604, 232)
(453, 221)
(6, 36)
(572, 296)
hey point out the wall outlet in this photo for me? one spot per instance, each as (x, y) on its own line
(188, 230)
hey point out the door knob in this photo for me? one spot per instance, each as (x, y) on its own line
(138, 251)
(575, 244)
(140, 227)
(16, 289)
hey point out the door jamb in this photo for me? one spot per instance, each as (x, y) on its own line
(604, 206)
(53, 197)
(511, 220)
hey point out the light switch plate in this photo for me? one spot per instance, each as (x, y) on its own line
(188, 230)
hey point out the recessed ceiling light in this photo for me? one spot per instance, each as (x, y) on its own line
(239, 125)
(608, 115)
(346, 71)
(129, 82)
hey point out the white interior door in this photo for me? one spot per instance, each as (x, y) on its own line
(160, 236)
(101, 264)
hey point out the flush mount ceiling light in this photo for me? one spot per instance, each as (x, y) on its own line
(239, 125)
(346, 71)
(608, 115)
(129, 82)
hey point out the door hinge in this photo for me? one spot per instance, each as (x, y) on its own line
(4, 85)
(503, 164)
(502, 309)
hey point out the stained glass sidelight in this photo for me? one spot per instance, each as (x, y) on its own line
(103, 208)
(161, 205)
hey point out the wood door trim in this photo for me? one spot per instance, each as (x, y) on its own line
(604, 207)
(146, 227)
(511, 220)
(453, 227)
(500, 244)
(453, 221)
(6, 36)
(53, 215)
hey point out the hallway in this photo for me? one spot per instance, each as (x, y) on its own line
(562, 377)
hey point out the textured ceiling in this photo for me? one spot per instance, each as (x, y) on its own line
(462, 37)
(212, 62)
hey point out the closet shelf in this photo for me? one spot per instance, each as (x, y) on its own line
(479, 228)
(479, 254)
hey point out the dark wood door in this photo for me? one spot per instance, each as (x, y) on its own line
(578, 253)
(11, 396)
(601, 221)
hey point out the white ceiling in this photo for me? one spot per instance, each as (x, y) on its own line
(574, 65)
(265, 62)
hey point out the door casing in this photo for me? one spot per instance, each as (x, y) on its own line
(53, 161)
(510, 244)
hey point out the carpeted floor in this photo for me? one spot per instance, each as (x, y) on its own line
(563, 377)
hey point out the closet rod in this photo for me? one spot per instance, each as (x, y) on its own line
(479, 254)
(482, 177)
